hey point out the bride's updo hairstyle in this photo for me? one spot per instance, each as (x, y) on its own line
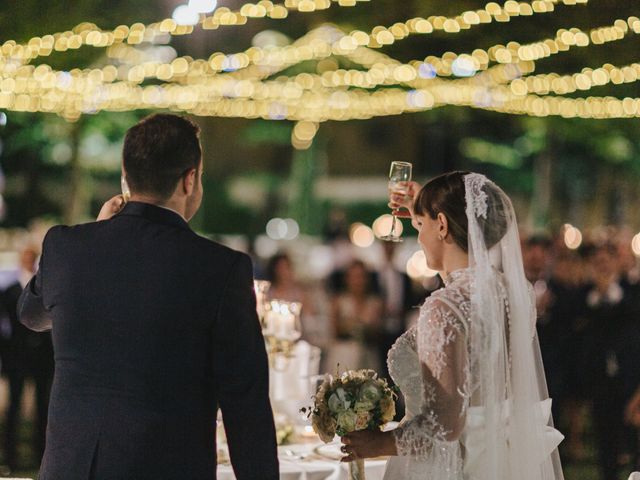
(446, 194)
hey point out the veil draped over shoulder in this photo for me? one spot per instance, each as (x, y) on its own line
(509, 431)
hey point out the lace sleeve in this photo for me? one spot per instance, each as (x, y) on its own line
(442, 349)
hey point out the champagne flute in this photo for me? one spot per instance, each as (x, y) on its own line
(399, 175)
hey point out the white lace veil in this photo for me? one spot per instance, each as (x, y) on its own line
(508, 381)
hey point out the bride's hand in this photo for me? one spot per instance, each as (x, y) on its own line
(367, 444)
(402, 205)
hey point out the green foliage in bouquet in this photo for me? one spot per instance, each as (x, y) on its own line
(356, 400)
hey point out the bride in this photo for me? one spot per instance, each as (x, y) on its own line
(476, 400)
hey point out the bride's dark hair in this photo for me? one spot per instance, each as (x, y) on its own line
(446, 194)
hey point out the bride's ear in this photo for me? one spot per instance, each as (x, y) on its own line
(443, 226)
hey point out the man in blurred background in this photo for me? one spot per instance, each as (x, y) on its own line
(397, 297)
(611, 356)
(28, 355)
(551, 320)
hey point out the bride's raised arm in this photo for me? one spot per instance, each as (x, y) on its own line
(441, 341)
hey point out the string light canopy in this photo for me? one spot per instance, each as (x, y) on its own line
(141, 70)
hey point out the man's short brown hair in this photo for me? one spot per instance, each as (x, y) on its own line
(157, 151)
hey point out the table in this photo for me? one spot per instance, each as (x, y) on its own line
(302, 462)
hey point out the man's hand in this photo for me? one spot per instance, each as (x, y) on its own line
(111, 207)
(368, 444)
(402, 205)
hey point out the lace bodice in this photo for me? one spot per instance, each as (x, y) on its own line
(429, 364)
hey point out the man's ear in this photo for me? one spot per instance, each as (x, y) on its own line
(189, 181)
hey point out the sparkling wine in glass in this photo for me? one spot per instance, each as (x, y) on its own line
(399, 176)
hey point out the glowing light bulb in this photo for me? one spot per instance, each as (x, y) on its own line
(184, 15)
(203, 6)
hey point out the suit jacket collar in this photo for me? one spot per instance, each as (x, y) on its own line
(154, 213)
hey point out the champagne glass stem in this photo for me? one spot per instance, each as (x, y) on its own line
(393, 226)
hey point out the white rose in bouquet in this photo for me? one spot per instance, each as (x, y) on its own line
(370, 392)
(347, 420)
(363, 406)
(362, 420)
(338, 401)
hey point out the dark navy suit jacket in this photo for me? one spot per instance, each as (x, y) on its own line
(154, 328)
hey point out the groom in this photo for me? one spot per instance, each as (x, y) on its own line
(154, 328)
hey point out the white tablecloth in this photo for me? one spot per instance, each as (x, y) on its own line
(298, 462)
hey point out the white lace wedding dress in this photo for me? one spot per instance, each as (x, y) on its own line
(442, 435)
(428, 439)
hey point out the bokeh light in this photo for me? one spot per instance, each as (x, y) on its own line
(184, 15)
(282, 229)
(270, 38)
(276, 228)
(361, 235)
(293, 229)
(321, 261)
(635, 245)
(572, 237)
(265, 247)
(203, 6)
(382, 225)
(417, 267)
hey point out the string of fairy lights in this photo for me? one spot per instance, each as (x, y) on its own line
(383, 69)
(89, 34)
(142, 72)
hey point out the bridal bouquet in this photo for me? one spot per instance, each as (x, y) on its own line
(356, 400)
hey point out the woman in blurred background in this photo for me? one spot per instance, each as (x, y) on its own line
(356, 316)
(284, 285)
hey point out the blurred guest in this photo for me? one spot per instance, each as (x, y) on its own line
(553, 307)
(632, 417)
(536, 257)
(567, 321)
(398, 298)
(29, 356)
(356, 318)
(629, 268)
(632, 410)
(284, 285)
(612, 356)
